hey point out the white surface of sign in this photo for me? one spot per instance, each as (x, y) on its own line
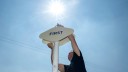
(56, 34)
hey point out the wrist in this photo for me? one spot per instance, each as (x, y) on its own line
(72, 40)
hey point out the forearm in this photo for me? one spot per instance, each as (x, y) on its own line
(52, 56)
(74, 45)
(51, 46)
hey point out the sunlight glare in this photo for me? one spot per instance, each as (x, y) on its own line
(56, 8)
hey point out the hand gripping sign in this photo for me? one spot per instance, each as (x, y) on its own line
(58, 36)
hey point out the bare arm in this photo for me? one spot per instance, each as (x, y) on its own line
(50, 45)
(74, 44)
(60, 66)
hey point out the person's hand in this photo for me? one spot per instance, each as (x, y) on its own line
(50, 45)
(71, 37)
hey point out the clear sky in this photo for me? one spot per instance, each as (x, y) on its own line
(101, 31)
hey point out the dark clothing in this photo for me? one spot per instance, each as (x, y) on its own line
(77, 64)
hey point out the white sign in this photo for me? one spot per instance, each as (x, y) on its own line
(56, 34)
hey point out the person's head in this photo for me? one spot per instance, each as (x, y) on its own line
(70, 55)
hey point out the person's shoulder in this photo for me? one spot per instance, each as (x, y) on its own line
(80, 54)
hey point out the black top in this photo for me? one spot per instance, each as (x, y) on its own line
(77, 64)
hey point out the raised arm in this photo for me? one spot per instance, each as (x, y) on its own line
(50, 45)
(74, 44)
(60, 66)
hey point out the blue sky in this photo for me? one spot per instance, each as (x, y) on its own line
(100, 29)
